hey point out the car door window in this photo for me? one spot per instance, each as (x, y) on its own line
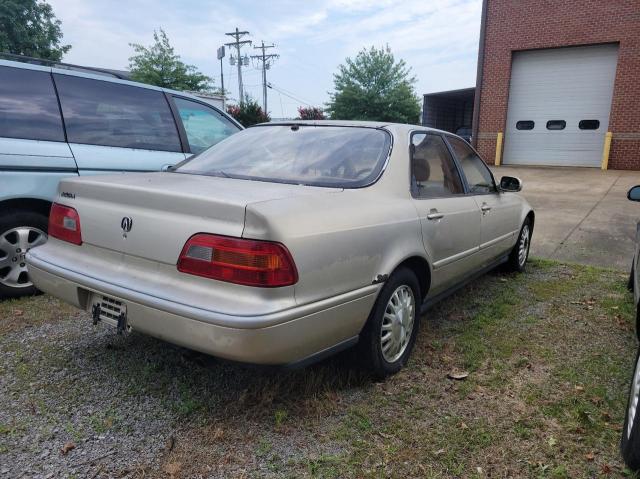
(113, 114)
(28, 105)
(433, 173)
(479, 178)
(204, 125)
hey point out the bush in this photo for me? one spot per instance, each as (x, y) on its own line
(248, 112)
(311, 113)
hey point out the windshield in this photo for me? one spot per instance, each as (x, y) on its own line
(334, 156)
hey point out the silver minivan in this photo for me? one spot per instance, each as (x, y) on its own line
(60, 120)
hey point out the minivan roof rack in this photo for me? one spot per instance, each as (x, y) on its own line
(68, 66)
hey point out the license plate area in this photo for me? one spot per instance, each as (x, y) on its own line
(109, 310)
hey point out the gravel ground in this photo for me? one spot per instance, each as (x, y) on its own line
(71, 384)
(124, 401)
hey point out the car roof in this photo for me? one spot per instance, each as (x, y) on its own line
(398, 127)
(97, 74)
(369, 124)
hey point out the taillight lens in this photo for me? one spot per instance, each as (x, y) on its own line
(64, 224)
(241, 261)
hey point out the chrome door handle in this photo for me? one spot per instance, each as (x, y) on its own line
(485, 207)
(435, 216)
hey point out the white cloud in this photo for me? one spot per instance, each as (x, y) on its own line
(438, 38)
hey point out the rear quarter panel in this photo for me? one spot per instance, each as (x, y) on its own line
(339, 242)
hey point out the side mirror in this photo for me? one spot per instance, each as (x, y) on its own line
(511, 183)
(634, 193)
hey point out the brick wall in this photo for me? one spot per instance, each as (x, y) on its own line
(529, 24)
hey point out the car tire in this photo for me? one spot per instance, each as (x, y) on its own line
(19, 232)
(391, 330)
(631, 273)
(520, 253)
(630, 444)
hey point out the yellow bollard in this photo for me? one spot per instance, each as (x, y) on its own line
(498, 149)
(605, 150)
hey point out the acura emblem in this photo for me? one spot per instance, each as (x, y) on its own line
(126, 224)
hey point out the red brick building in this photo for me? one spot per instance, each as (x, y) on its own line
(554, 77)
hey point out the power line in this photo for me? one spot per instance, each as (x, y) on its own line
(267, 61)
(290, 92)
(240, 60)
(280, 90)
(281, 108)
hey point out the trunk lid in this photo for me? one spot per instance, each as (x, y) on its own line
(165, 209)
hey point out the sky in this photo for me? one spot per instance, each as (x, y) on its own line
(438, 39)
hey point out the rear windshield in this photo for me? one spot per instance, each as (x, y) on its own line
(333, 156)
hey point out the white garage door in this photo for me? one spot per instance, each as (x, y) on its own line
(559, 103)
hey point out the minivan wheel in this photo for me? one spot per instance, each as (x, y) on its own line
(392, 327)
(630, 444)
(19, 232)
(520, 252)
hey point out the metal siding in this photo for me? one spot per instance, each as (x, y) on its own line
(570, 84)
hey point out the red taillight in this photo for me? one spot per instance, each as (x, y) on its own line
(64, 224)
(240, 261)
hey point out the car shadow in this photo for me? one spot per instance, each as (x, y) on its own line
(139, 367)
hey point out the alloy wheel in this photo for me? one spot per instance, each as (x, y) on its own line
(14, 245)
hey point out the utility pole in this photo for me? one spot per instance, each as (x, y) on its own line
(240, 61)
(266, 63)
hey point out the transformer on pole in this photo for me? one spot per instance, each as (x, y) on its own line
(266, 60)
(239, 61)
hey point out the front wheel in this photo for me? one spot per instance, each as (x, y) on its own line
(520, 252)
(393, 324)
(630, 444)
(19, 232)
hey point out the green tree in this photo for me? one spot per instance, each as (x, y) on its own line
(249, 112)
(159, 65)
(29, 27)
(374, 86)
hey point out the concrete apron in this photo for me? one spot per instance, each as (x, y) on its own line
(582, 214)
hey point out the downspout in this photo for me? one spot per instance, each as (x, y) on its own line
(476, 97)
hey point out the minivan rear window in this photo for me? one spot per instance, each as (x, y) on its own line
(28, 105)
(112, 114)
(332, 156)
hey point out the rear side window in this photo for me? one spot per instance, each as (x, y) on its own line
(28, 105)
(478, 176)
(204, 125)
(433, 173)
(111, 114)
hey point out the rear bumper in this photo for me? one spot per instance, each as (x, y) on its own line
(290, 336)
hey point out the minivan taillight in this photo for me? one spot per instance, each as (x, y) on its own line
(241, 261)
(64, 224)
